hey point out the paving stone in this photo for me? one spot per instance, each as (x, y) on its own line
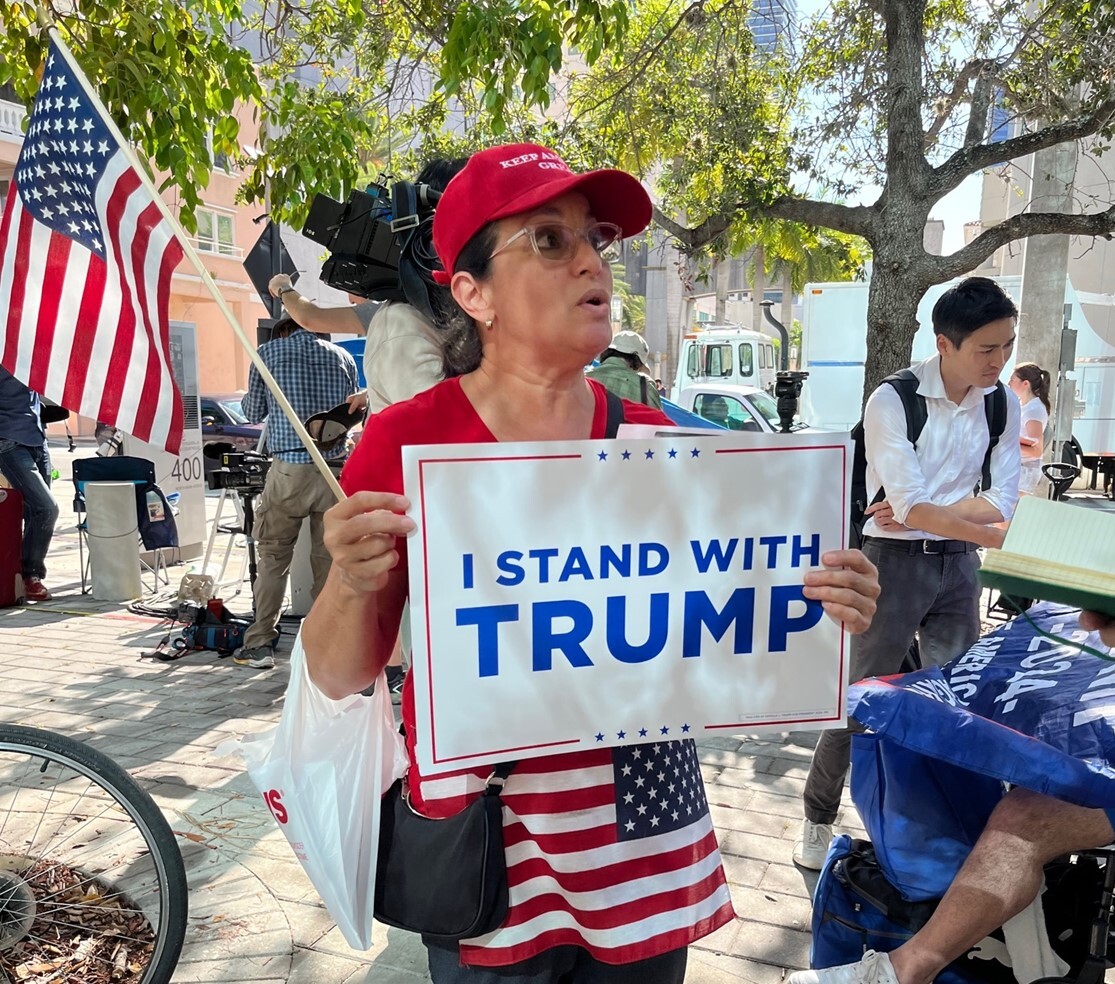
(709, 967)
(312, 967)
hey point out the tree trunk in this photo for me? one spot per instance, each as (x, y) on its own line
(722, 267)
(892, 321)
(1044, 272)
(787, 318)
(758, 288)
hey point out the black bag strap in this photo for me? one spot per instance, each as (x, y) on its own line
(499, 775)
(615, 414)
(643, 389)
(995, 407)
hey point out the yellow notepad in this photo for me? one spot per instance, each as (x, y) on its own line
(1056, 552)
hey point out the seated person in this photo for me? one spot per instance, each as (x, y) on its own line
(1002, 875)
(715, 409)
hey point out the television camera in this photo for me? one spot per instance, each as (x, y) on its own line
(379, 242)
(240, 471)
(787, 390)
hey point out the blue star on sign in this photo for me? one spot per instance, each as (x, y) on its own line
(695, 453)
(664, 730)
(685, 729)
(673, 453)
(599, 736)
(642, 732)
(603, 456)
(648, 454)
(626, 455)
(621, 734)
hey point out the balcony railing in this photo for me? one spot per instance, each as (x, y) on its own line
(12, 116)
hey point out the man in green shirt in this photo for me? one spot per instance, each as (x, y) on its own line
(623, 369)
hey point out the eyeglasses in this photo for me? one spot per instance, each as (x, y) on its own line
(559, 242)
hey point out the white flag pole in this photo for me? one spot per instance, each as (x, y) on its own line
(195, 260)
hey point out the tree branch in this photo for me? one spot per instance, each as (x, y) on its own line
(970, 71)
(1022, 226)
(857, 220)
(970, 160)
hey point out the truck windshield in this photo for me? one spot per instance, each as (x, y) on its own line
(767, 407)
(711, 360)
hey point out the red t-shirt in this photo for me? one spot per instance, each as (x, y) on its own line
(585, 866)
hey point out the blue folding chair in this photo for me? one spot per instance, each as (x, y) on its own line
(155, 523)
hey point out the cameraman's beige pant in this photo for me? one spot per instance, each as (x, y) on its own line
(291, 493)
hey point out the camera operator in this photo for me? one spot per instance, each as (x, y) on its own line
(315, 376)
(402, 351)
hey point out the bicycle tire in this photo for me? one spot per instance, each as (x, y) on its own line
(144, 813)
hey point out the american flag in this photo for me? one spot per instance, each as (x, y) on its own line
(611, 850)
(86, 258)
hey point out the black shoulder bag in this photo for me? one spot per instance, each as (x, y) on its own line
(447, 879)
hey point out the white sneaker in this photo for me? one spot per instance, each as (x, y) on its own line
(873, 968)
(811, 850)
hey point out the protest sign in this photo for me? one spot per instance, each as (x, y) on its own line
(572, 595)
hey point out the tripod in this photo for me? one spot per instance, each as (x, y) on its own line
(244, 502)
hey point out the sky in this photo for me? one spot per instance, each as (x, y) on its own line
(960, 206)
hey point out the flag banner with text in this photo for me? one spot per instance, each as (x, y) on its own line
(573, 595)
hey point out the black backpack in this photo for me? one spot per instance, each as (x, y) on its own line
(906, 385)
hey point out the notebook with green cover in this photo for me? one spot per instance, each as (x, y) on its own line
(1056, 552)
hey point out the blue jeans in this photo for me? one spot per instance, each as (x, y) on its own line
(28, 470)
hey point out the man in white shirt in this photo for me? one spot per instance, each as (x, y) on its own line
(923, 535)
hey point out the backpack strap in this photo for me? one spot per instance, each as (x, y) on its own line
(905, 384)
(995, 407)
(615, 414)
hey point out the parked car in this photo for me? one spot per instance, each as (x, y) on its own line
(737, 408)
(223, 420)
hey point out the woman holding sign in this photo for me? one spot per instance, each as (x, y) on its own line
(595, 895)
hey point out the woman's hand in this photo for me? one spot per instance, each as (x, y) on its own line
(360, 535)
(1104, 624)
(847, 589)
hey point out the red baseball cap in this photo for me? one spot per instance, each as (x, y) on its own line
(514, 178)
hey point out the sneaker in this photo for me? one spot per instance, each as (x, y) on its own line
(396, 676)
(258, 658)
(35, 590)
(872, 968)
(811, 850)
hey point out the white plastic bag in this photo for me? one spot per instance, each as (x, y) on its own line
(322, 773)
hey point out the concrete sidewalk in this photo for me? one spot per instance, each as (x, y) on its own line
(77, 666)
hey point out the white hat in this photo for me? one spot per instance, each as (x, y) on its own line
(631, 343)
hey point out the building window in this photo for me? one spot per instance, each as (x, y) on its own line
(215, 232)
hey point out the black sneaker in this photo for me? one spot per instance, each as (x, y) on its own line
(395, 677)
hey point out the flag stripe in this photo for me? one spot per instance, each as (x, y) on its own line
(12, 286)
(122, 225)
(50, 299)
(92, 302)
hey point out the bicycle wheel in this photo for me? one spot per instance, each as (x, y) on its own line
(92, 885)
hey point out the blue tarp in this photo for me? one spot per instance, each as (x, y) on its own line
(1016, 708)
